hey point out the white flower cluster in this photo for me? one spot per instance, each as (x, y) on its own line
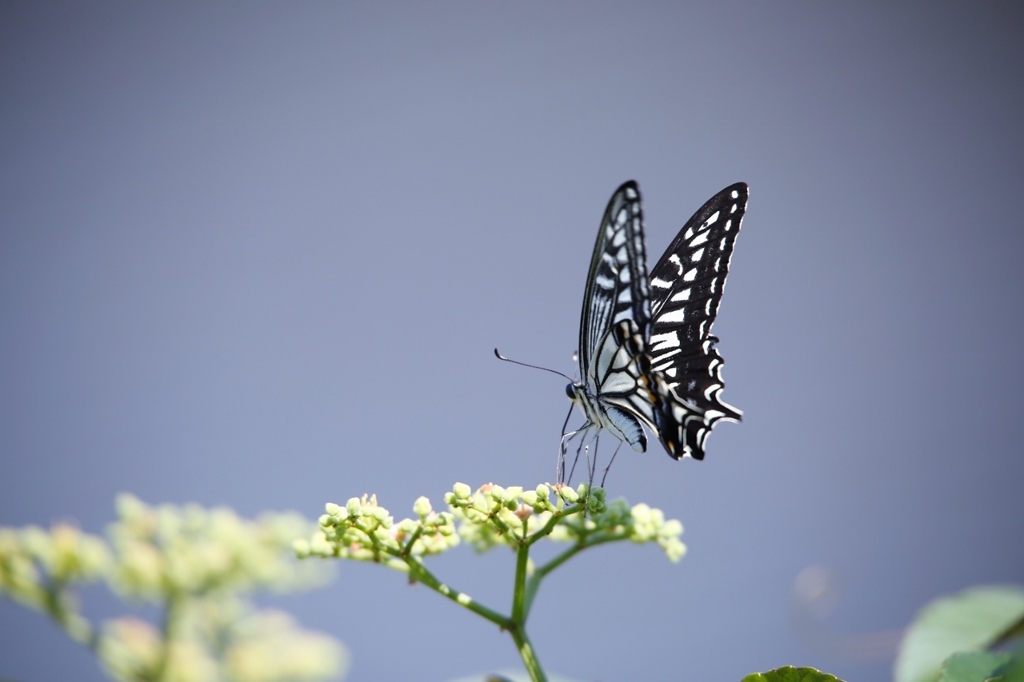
(198, 565)
(364, 531)
(488, 517)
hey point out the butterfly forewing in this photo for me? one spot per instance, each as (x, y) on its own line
(686, 288)
(615, 323)
(617, 286)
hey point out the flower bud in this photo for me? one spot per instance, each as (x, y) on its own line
(320, 545)
(674, 550)
(568, 494)
(421, 507)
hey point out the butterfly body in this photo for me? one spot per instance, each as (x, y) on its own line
(647, 357)
(605, 410)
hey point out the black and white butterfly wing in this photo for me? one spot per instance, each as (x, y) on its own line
(614, 392)
(686, 288)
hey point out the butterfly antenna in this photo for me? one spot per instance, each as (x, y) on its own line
(524, 364)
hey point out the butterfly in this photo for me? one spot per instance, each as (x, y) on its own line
(647, 357)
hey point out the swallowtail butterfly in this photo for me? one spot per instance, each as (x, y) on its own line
(646, 353)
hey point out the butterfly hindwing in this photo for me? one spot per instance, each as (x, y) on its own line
(686, 288)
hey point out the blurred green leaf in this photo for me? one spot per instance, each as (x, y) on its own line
(974, 666)
(790, 674)
(968, 621)
(1015, 671)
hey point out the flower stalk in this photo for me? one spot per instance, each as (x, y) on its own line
(490, 517)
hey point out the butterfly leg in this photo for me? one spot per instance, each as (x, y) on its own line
(592, 465)
(584, 448)
(608, 468)
(563, 446)
(575, 461)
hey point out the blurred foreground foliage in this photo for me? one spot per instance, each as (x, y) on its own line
(971, 636)
(199, 567)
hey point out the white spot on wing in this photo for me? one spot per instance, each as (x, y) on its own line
(672, 316)
(660, 283)
(660, 342)
(674, 260)
(618, 382)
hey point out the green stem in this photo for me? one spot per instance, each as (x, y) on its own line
(520, 607)
(492, 516)
(522, 597)
(527, 654)
(560, 559)
(516, 625)
(56, 605)
(407, 549)
(419, 572)
(170, 625)
(555, 519)
(533, 584)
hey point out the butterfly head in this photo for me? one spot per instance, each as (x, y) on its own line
(588, 404)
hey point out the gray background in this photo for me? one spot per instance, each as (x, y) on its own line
(258, 255)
